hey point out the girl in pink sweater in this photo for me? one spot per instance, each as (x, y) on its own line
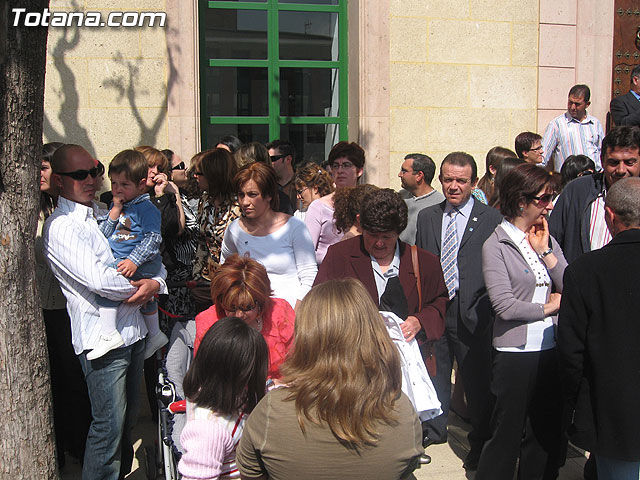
(224, 383)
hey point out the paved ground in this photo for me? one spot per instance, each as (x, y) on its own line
(446, 459)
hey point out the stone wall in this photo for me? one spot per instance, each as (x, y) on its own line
(463, 76)
(107, 88)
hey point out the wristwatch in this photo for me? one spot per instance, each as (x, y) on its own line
(546, 252)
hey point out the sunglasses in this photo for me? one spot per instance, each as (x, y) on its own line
(82, 174)
(275, 158)
(180, 166)
(245, 309)
(543, 199)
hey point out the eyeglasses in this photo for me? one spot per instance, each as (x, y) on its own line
(180, 166)
(197, 174)
(275, 158)
(81, 174)
(345, 166)
(543, 199)
(403, 171)
(537, 149)
(245, 309)
(301, 191)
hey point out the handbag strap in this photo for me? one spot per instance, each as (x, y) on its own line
(416, 272)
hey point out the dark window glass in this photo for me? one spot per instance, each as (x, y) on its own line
(312, 2)
(246, 133)
(235, 34)
(308, 36)
(309, 92)
(236, 91)
(313, 142)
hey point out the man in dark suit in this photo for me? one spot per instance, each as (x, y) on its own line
(468, 317)
(598, 332)
(625, 109)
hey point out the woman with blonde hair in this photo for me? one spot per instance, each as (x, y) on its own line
(342, 413)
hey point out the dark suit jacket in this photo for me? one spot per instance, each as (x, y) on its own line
(625, 110)
(475, 307)
(349, 259)
(599, 351)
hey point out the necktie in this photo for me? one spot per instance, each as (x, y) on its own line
(448, 259)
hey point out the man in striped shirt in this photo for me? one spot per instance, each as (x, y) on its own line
(79, 255)
(577, 220)
(574, 132)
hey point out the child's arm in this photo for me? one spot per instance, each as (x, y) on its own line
(109, 225)
(148, 248)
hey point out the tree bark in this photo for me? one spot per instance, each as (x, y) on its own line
(26, 432)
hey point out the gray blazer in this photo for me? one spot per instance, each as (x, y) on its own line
(511, 285)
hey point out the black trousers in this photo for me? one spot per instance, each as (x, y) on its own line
(527, 418)
(71, 405)
(473, 353)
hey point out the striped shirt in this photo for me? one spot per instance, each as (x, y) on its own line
(599, 234)
(567, 136)
(79, 256)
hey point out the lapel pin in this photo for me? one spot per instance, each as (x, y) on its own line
(475, 219)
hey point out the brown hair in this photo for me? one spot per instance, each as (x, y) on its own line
(155, 158)
(252, 152)
(240, 281)
(312, 175)
(494, 158)
(351, 151)
(520, 185)
(265, 178)
(132, 163)
(219, 168)
(346, 205)
(350, 389)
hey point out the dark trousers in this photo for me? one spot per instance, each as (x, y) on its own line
(472, 351)
(71, 406)
(527, 418)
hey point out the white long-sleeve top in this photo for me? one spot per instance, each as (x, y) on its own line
(416, 383)
(287, 254)
(79, 256)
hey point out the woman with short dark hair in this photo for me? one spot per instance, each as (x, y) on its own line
(522, 267)
(279, 241)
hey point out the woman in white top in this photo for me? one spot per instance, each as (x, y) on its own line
(522, 268)
(279, 241)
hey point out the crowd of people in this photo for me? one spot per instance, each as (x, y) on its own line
(315, 320)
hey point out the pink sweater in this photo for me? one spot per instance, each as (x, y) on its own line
(209, 442)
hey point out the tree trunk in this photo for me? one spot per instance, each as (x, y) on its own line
(26, 431)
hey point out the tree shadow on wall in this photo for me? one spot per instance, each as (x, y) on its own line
(129, 86)
(72, 132)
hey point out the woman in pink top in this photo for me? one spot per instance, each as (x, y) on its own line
(241, 288)
(347, 165)
(223, 385)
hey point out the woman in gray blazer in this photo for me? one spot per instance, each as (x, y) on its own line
(522, 268)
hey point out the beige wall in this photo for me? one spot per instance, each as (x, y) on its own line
(107, 88)
(463, 76)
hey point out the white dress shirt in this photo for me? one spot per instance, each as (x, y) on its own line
(79, 256)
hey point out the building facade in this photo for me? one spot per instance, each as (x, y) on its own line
(396, 76)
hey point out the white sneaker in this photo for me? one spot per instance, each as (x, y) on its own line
(106, 343)
(159, 340)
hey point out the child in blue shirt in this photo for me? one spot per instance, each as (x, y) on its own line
(133, 230)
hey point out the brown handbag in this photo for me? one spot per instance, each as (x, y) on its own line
(426, 347)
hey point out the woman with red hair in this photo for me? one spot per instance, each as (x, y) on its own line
(241, 288)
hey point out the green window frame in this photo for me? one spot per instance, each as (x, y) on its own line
(273, 64)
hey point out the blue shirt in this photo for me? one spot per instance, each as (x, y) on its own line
(136, 234)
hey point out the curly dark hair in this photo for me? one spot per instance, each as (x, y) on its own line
(346, 205)
(520, 185)
(383, 211)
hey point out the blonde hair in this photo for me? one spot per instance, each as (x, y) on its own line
(344, 369)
